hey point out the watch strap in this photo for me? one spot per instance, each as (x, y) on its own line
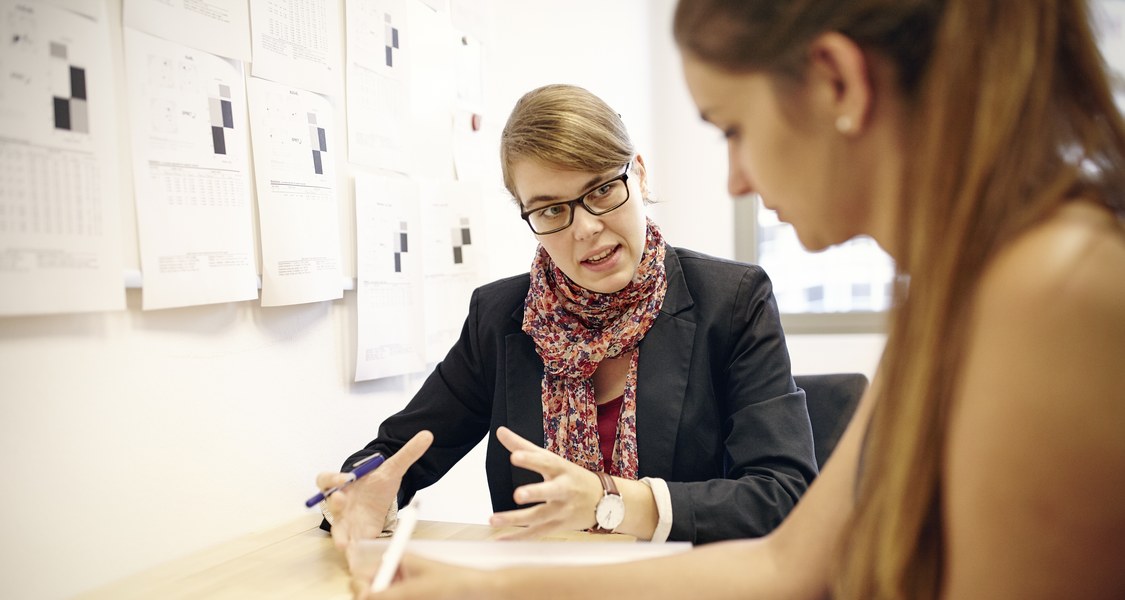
(608, 488)
(607, 483)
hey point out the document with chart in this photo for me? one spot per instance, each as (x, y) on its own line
(389, 277)
(60, 221)
(295, 150)
(217, 26)
(191, 174)
(451, 221)
(377, 76)
(296, 42)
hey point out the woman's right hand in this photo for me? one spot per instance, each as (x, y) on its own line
(358, 511)
(566, 499)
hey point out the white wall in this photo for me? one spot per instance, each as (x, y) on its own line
(131, 438)
(689, 161)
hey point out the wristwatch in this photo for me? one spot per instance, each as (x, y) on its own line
(610, 510)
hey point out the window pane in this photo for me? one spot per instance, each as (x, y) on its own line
(1108, 18)
(854, 276)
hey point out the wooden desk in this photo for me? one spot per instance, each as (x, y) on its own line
(296, 560)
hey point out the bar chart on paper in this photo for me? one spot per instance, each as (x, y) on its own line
(389, 280)
(59, 189)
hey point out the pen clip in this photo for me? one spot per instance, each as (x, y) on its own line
(366, 459)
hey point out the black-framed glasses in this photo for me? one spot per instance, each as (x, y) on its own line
(598, 200)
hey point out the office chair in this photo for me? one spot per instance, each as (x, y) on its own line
(831, 399)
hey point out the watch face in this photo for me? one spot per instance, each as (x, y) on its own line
(610, 511)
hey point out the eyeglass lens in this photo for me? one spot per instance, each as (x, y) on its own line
(600, 200)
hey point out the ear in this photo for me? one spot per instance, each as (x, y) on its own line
(845, 90)
(641, 174)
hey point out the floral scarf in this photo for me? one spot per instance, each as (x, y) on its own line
(574, 329)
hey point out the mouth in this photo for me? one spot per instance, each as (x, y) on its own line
(601, 256)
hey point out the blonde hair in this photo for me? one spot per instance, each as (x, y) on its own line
(1011, 116)
(565, 127)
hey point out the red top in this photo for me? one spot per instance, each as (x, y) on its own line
(608, 414)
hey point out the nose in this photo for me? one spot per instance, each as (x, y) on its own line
(738, 183)
(585, 225)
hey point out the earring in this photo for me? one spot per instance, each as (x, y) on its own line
(844, 124)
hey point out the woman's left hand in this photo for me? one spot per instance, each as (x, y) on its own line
(569, 493)
(418, 577)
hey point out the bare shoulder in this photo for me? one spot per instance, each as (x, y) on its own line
(1074, 258)
(1050, 313)
(1035, 476)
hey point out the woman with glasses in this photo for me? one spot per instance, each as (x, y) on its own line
(979, 143)
(631, 386)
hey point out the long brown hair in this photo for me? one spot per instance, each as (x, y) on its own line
(1011, 116)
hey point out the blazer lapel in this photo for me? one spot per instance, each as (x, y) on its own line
(662, 369)
(524, 388)
(523, 393)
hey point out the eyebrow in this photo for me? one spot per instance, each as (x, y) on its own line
(542, 198)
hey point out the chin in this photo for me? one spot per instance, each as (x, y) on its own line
(812, 244)
(608, 285)
(815, 241)
(605, 287)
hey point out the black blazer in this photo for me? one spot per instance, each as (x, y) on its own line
(718, 415)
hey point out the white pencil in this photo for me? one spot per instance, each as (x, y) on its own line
(407, 517)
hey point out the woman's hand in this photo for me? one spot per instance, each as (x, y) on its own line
(419, 577)
(569, 493)
(358, 511)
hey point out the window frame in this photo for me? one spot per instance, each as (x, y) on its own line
(746, 250)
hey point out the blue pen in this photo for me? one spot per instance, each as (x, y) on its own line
(360, 468)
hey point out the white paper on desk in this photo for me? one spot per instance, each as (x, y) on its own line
(451, 218)
(216, 26)
(389, 277)
(500, 554)
(377, 77)
(60, 225)
(187, 111)
(295, 142)
(295, 42)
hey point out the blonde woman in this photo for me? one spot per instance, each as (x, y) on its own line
(977, 141)
(646, 389)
